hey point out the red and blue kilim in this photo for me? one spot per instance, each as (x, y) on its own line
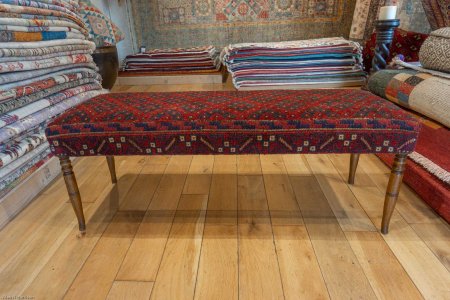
(312, 121)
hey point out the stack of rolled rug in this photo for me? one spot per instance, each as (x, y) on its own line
(319, 63)
(180, 60)
(46, 67)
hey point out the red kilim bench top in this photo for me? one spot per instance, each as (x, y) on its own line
(312, 121)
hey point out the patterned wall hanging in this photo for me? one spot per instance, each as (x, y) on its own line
(186, 23)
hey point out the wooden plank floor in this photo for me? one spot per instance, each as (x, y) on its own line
(226, 227)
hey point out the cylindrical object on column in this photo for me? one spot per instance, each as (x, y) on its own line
(107, 61)
(388, 12)
(385, 34)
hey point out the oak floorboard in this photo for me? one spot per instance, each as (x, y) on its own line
(135, 290)
(364, 189)
(199, 177)
(61, 269)
(123, 88)
(300, 271)
(426, 271)
(409, 205)
(259, 275)
(218, 268)
(96, 179)
(178, 271)
(57, 275)
(158, 160)
(25, 226)
(249, 165)
(386, 275)
(283, 206)
(144, 256)
(348, 212)
(42, 243)
(105, 259)
(26, 263)
(82, 166)
(342, 273)
(144, 187)
(423, 267)
(135, 88)
(437, 238)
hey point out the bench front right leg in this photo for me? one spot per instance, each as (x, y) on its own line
(354, 158)
(112, 168)
(393, 189)
(74, 193)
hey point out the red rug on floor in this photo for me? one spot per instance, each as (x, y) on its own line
(433, 153)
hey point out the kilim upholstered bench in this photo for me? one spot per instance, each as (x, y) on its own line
(260, 122)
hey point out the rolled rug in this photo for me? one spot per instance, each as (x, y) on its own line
(7, 8)
(31, 121)
(46, 56)
(16, 169)
(45, 63)
(46, 83)
(14, 110)
(42, 51)
(70, 5)
(435, 51)
(45, 44)
(41, 23)
(19, 148)
(18, 36)
(15, 79)
(39, 4)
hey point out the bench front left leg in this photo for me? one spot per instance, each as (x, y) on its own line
(354, 158)
(393, 189)
(112, 168)
(74, 193)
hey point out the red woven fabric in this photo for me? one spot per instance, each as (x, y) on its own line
(312, 121)
(407, 43)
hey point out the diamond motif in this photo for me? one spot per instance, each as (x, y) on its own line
(370, 124)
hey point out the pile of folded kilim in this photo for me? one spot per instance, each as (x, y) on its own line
(46, 68)
(327, 62)
(181, 60)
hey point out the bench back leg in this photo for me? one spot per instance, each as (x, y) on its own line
(354, 158)
(112, 168)
(74, 193)
(393, 189)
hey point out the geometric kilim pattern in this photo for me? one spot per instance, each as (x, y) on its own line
(198, 12)
(189, 23)
(264, 122)
(101, 28)
(399, 89)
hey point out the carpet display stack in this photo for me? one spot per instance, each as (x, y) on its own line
(327, 62)
(45, 68)
(181, 60)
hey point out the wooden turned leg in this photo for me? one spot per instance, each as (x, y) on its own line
(112, 168)
(354, 158)
(74, 193)
(393, 189)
